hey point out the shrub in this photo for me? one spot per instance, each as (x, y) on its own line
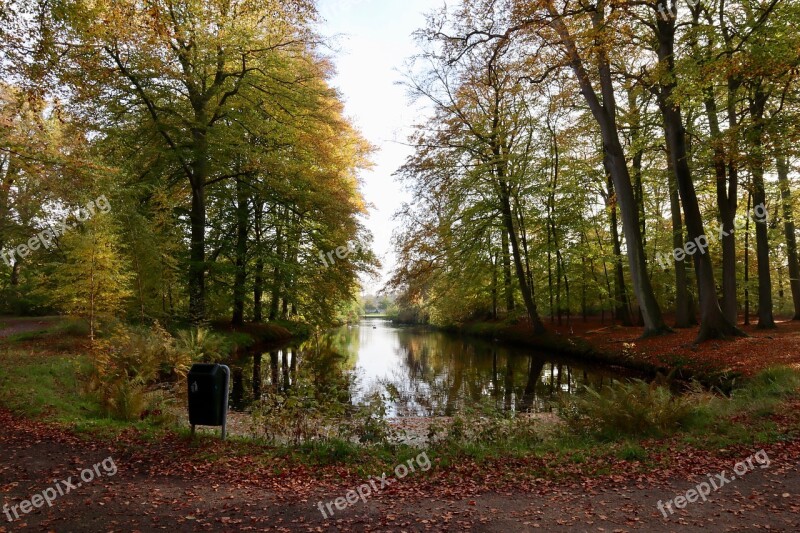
(126, 399)
(367, 422)
(630, 408)
(127, 366)
(202, 345)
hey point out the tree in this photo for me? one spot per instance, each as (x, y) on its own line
(184, 64)
(92, 281)
(713, 322)
(604, 109)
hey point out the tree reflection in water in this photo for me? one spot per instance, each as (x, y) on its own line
(419, 372)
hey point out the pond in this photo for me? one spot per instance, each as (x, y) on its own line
(418, 372)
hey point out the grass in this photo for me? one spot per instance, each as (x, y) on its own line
(632, 451)
(746, 417)
(43, 385)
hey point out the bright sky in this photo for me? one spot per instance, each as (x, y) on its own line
(373, 45)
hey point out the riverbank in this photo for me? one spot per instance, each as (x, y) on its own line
(165, 479)
(717, 362)
(265, 334)
(238, 337)
(482, 465)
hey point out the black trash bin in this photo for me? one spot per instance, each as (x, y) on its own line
(208, 395)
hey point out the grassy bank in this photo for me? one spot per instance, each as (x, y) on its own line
(43, 378)
(49, 371)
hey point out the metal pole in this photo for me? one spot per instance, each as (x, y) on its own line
(225, 400)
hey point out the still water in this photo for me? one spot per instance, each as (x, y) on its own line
(418, 372)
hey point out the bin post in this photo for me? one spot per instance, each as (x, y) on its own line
(225, 401)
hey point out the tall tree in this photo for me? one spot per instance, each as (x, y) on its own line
(787, 207)
(713, 322)
(603, 107)
(185, 64)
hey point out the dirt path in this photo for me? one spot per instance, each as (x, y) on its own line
(134, 499)
(13, 326)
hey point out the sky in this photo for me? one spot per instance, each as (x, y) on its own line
(373, 41)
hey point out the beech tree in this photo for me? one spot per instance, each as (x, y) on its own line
(185, 65)
(675, 100)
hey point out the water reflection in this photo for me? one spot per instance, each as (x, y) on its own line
(420, 373)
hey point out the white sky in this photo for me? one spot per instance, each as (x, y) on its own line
(373, 44)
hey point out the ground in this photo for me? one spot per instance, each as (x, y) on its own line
(762, 348)
(156, 489)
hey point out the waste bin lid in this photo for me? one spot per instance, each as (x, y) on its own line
(203, 368)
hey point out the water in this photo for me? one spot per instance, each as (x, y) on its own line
(418, 372)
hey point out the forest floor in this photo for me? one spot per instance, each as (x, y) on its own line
(175, 485)
(762, 348)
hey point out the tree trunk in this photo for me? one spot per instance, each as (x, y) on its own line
(258, 280)
(757, 105)
(550, 267)
(507, 284)
(197, 254)
(605, 114)
(277, 280)
(285, 308)
(726, 204)
(782, 165)
(636, 161)
(293, 248)
(621, 310)
(494, 261)
(258, 291)
(524, 241)
(747, 264)
(713, 323)
(240, 277)
(14, 281)
(684, 317)
(609, 292)
(527, 297)
(197, 269)
(584, 311)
